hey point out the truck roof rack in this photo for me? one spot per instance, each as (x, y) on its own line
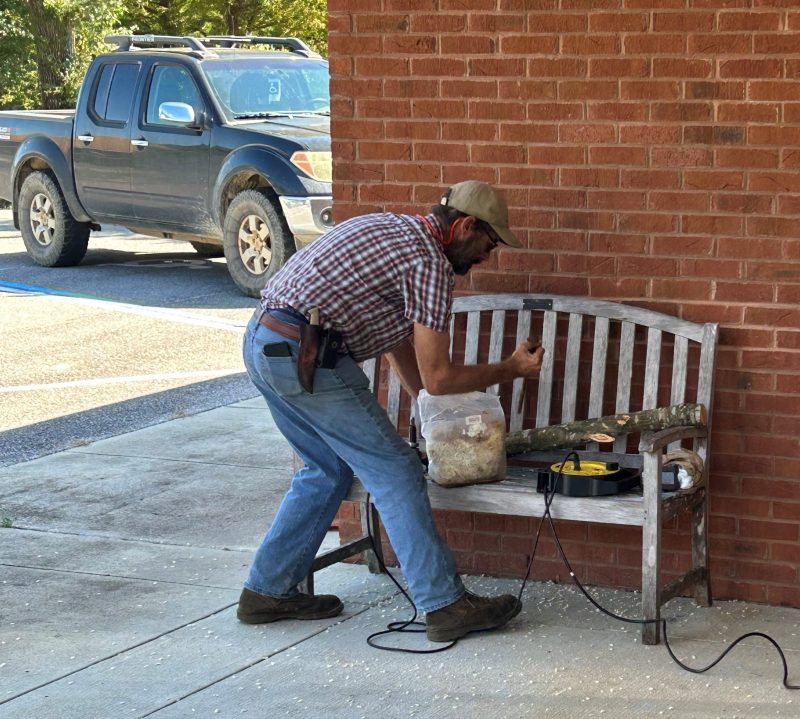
(293, 44)
(202, 45)
(134, 42)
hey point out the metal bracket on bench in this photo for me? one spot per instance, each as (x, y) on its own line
(530, 304)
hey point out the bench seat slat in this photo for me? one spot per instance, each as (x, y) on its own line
(517, 496)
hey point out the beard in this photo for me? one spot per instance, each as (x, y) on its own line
(462, 257)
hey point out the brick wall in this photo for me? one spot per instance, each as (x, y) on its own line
(650, 153)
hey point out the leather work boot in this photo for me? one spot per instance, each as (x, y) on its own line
(470, 613)
(256, 608)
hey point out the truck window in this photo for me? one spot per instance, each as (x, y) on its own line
(101, 93)
(114, 92)
(170, 83)
(120, 96)
(269, 85)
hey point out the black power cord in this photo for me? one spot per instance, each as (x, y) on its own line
(393, 627)
(548, 500)
(549, 495)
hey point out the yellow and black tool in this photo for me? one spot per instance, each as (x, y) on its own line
(586, 468)
(588, 478)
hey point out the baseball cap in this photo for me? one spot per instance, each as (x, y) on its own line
(483, 202)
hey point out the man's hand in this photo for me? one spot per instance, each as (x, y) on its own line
(526, 360)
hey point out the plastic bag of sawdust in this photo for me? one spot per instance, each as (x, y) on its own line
(465, 437)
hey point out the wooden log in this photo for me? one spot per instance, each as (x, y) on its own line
(604, 429)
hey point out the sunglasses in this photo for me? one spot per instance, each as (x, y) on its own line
(486, 228)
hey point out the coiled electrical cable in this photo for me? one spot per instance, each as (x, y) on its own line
(548, 500)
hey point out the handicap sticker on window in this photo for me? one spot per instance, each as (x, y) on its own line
(274, 90)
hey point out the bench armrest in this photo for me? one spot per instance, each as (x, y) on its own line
(652, 441)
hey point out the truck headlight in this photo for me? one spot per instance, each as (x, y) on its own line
(317, 165)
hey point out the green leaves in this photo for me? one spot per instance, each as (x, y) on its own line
(306, 19)
(46, 45)
(18, 83)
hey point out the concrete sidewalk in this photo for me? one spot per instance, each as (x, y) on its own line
(122, 570)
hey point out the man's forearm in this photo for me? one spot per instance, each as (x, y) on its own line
(404, 362)
(441, 376)
(470, 378)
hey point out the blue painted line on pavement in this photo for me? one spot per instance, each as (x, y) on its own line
(50, 291)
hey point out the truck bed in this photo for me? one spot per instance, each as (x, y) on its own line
(45, 114)
(16, 126)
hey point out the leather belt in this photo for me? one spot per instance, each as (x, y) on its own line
(282, 328)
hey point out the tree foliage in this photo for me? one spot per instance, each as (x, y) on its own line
(46, 45)
(18, 82)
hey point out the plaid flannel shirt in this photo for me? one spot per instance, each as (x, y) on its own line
(371, 277)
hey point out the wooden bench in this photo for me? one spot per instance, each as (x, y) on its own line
(602, 358)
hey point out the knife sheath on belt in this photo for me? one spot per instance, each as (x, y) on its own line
(309, 347)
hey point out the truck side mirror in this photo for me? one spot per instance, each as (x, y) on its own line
(178, 112)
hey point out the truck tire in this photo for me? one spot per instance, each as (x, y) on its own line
(52, 236)
(257, 241)
(207, 249)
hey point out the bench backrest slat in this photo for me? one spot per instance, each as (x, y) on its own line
(393, 399)
(705, 382)
(572, 364)
(680, 355)
(546, 373)
(517, 406)
(473, 337)
(651, 370)
(370, 368)
(624, 376)
(496, 342)
(599, 356)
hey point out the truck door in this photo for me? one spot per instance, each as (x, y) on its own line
(169, 164)
(101, 148)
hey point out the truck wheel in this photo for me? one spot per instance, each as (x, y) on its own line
(207, 249)
(257, 241)
(52, 236)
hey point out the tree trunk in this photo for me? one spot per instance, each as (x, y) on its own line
(55, 49)
(604, 429)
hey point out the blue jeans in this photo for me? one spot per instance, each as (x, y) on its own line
(338, 430)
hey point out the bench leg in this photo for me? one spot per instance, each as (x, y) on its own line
(702, 590)
(307, 585)
(362, 546)
(651, 547)
(374, 556)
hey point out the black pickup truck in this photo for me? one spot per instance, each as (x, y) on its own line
(221, 141)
